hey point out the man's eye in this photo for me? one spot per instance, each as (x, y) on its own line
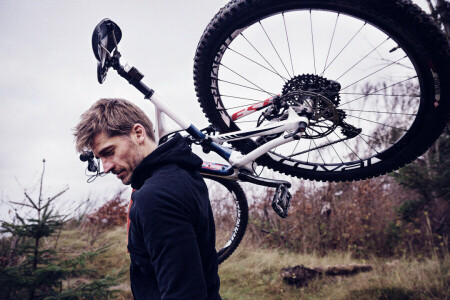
(108, 152)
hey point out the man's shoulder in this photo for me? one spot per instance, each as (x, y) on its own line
(169, 177)
(167, 185)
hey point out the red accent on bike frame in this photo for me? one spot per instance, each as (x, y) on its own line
(213, 166)
(252, 108)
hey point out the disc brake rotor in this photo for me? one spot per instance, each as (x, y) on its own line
(324, 117)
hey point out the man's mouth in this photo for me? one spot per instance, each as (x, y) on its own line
(120, 174)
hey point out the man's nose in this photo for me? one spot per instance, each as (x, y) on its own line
(108, 165)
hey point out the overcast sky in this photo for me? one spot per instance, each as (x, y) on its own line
(48, 79)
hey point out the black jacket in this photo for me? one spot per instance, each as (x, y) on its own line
(171, 237)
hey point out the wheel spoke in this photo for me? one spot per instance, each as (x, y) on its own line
(295, 147)
(371, 121)
(312, 129)
(331, 42)
(368, 144)
(312, 41)
(376, 138)
(257, 63)
(249, 81)
(262, 57)
(289, 46)
(385, 95)
(234, 107)
(273, 46)
(331, 144)
(313, 149)
(399, 64)
(350, 149)
(320, 126)
(309, 150)
(381, 112)
(320, 154)
(345, 46)
(373, 73)
(365, 95)
(348, 70)
(244, 86)
(242, 98)
(340, 139)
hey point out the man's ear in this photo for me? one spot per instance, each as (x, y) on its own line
(138, 133)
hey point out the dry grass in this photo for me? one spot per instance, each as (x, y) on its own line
(254, 273)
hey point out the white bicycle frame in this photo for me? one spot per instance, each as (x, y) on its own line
(105, 39)
(236, 159)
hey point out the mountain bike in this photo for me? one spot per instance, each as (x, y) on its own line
(324, 90)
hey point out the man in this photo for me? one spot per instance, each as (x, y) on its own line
(171, 238)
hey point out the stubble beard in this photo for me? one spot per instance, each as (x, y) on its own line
(136, 157)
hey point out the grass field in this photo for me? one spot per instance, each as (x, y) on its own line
(254, 273)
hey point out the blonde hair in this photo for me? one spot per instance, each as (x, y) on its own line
(113, 117)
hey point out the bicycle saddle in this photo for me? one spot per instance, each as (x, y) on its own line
(106, 35)
(105, 38)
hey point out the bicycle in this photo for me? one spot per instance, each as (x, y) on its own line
(363, 89)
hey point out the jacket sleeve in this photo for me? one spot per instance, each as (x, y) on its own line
(170, 239)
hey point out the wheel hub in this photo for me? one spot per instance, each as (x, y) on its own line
(317, 97)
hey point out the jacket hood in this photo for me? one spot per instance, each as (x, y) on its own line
(175, 150)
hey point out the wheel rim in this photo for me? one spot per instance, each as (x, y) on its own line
(380, 89)
(227, 214)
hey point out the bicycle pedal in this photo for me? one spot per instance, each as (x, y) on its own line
(281, 201)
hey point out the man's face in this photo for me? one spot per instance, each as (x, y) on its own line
(119, 155)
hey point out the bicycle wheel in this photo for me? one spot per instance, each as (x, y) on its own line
(230, 210)
(375, 74)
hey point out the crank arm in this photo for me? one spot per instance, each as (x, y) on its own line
(248, 177)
